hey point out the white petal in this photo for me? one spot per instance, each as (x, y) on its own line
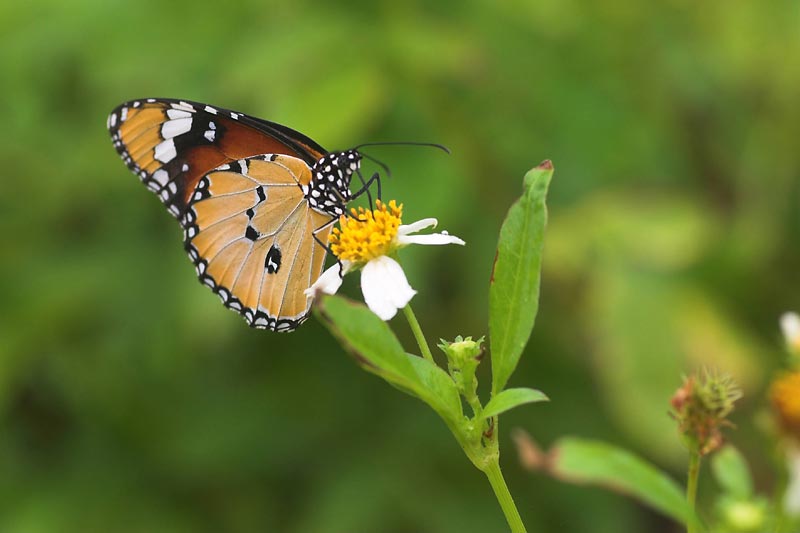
(385, 287)
(417, 226)
(330, 280)
(433, 238)
(790, 324)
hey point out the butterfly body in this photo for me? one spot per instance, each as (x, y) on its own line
(255, 199)
(329, 189)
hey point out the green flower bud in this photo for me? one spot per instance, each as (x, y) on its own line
(463, 357)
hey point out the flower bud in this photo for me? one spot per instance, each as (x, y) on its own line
(463, 357)
(701, 407)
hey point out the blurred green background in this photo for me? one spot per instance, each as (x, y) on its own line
(132, 401)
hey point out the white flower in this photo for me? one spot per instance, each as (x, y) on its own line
(366, 241)
(790, 325)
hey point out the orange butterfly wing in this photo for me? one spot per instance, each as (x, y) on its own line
(250, 233)
(234, 182)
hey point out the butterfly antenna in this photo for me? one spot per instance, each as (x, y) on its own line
(405, 143)
(383, 165)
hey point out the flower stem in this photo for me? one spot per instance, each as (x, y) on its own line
(779, 493)
(691, 488)
(423, 344)
(500, 488)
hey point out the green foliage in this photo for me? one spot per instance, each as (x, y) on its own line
(737, 507)
(514, 287)
(376, 349)
(598, 463)
(511, 398)
(731, 472)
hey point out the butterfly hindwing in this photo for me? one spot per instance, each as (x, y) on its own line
(250, 233)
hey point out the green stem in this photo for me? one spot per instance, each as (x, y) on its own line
(779, 493)
(500, 488)
(475, 405)
(691, 488)
(423, 344)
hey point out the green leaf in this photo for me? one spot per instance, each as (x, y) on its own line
(731, 472)
(367, 338)
(511, 398)
(514, 287)
(598, 463)
(376, 349)
(438, 390)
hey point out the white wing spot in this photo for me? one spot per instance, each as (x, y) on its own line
(161, 176)
(173, 128)
(211, 110)
(165, 151)
(209, 134)
(177, 113)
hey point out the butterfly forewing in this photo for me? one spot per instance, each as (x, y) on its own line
(171, 144)
(250, 233)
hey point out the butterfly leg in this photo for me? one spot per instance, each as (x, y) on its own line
(328, 248)
(365, 189)
(322, 227)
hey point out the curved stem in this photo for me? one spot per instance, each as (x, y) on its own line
(414, 324)
(500, 488)
(691, 488)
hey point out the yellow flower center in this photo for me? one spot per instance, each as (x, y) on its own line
(785, 396)
(366, 234)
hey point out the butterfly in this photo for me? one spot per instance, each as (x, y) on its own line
(256, 200)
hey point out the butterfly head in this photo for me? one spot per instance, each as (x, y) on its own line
(329, 189)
